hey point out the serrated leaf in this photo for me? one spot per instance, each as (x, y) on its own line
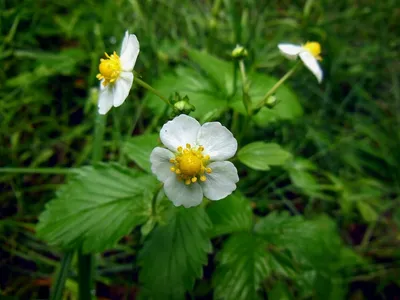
(174, 254)
(233, 214)
(138, 149)
(220, 71)
(314, 243)
(242, 266)
(97, 207)
(260, 155)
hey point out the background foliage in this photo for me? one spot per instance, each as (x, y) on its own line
(322, 224)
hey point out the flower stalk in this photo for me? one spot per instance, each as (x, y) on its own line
(151, 89)
(264, 100)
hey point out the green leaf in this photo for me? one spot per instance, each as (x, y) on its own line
(242, 266)
(138, 149)
(280, 291)
(260, 155)
(188, 82)
(232, 214)
(314, 243)
(174, 254)
(367, 212)
(287, 108)
(220, 71)
(97, 207)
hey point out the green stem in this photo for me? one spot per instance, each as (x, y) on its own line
(151, 89)
(277, 85)
(245, 89)
(154, 201)
(85, 275)
(61, 276)
(99, 127)
(37, 170)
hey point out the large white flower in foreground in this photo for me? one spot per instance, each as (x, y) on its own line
(308, 53)
(116, 74)
(194, 163)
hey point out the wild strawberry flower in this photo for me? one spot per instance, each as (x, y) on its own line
(116, 75)
(309, 53)
(194, 162)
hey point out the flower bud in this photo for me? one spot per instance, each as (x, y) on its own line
(239, 52)
(271, 101)
(182, 105)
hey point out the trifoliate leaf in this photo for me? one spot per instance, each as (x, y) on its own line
(233, 214)
(174, 254)
(260, 155)
(97, 207)
(138, 148)
(243, 264)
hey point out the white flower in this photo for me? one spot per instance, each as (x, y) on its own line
(194, 163)
(116, 74)
(308, 53)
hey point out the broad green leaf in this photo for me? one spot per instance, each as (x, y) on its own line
(280, 291)
(220, 71)
(97, 207)
(243, 264)
(188, 82)
(320, 285)
(138, 148)
(314, 243)
(232, 214)
(174, 254)
(260, 155)
(287, 108)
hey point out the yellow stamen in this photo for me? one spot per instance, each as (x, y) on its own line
(314, 48)
(190, 164)
(109, 68)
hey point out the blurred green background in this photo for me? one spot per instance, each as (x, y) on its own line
(346, 142)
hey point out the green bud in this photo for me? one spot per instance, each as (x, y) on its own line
(239, 52)
(182, 105)
(271, 101)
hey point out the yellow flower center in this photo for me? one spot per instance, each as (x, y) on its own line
(190, 164)
(314, 48)
(109, 68)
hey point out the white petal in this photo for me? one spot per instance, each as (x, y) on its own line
(106, 97)
(125, 41)
(181, 194)
(160, 164)
(179, 131)
(289, 50)
(221, 182)
(122, 87)
(217, 140)
(129, 51)
(312, 64)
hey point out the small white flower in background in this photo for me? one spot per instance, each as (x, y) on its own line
(308, 53)
(194, 163)
(116, 74)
